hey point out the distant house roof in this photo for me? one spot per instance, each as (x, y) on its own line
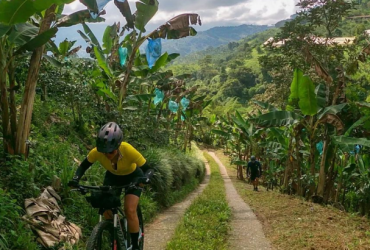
(358, 17)
(317, 40)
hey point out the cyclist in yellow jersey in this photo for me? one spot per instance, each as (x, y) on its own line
(123, 164)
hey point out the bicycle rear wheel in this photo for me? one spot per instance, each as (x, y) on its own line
(102, 237)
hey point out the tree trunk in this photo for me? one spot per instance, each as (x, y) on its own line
(331, 176)
(4, 99)
(186, 136)
(126, 80)
(43, 92)
(288, 166)
(13, 108)
(298, 162)
(24, 122)
(160, 110)
(191, 135)
(312, 164)
(340, 183)
(240, 168)
(322, 174)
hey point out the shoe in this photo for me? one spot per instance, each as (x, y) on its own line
(131, 248)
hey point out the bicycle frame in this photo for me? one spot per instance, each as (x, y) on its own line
(116, 222)
(118, 227)
(116, 210)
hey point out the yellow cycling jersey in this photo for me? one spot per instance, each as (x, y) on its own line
(131, 158)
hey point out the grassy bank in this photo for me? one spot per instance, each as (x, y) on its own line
(205, 223)
(292, 223)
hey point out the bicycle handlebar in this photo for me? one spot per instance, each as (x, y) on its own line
(145, 180)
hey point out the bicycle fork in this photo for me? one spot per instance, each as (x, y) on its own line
(141, 235)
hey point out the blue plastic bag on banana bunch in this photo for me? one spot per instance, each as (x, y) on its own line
(319, 147)
(122, 52)
(185, 104)
(153, 51)
(357, 149)
(173, 106)
(159, 95)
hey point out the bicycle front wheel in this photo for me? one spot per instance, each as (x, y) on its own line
(141, 225)
(102, 237)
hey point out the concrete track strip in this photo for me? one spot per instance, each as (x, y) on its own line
(246, 230)
(159, 232)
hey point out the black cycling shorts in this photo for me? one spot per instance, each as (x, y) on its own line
(254, 176)
(122, 180)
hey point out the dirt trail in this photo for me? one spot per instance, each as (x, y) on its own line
(159, 232)
(246, 230)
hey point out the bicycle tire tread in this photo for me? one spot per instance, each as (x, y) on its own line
(98, 229)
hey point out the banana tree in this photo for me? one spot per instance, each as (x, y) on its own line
(193, 118)
(169, 90)
(19, 38)
(223, 130)
(353, 175)
(175, 28)
(309, 113)
(241, 136)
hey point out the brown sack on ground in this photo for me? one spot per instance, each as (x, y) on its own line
(44, 217)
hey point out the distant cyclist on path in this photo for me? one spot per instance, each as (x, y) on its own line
(254, 171)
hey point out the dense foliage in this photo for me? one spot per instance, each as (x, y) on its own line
(49, 127)
(303, 107)
(309, 125)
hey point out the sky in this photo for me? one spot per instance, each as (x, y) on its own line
(212, 12)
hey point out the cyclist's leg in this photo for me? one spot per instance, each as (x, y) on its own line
(132, 197)
(131, 202)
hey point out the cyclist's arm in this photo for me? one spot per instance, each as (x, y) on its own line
(85, 165)
(147, 165)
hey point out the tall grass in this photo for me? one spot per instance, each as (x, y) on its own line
(205, 224)
(3, 243)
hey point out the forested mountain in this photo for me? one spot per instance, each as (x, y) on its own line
(211, 38)
(232, 73)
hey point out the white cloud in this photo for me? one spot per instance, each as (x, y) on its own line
(213, 12)
(72, 7)
(255, 12)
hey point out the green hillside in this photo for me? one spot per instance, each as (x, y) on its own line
(232, 74)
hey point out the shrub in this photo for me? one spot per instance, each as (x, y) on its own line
(14, 234)
(173, 171)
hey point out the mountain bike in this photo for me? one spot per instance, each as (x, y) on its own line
(112, 234)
